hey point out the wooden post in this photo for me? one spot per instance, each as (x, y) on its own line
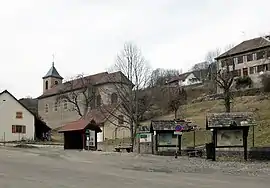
(180, 145)
(214, 144)
(245, 133)
(253, 133)
(194, 139)
(138, 142)
(152, 142)
(4, 138)
(83, 139)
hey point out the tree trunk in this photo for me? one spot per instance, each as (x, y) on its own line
(175, 114)
(227, 101)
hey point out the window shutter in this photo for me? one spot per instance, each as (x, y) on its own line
(24, 129)
(13, 128)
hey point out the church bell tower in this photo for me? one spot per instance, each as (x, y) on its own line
(51, 79)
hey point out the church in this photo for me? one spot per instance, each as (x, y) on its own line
(60, 103)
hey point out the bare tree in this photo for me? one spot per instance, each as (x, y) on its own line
(224, 79)
(177, 98)
(171, 98)
(159, 76)
(133, 103)
(210, 58)
(80, 93)
(200, 66)
(211, 55)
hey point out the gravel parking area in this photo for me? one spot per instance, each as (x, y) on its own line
(54, 167)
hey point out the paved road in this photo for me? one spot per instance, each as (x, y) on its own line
(57, 168)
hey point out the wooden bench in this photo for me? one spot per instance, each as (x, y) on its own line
(121, 148)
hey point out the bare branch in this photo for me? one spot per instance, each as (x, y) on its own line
(80, 93)
(134, 68)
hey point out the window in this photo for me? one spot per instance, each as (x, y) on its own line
(245, 71)
(235, 60)
(260, 55)
(251, 70)
(46, 108)
(240, 60)
(237, 73)
(249, 57)
(114, 98)
(18, 129)
(65, 105)
(262, 68)
(245, 58)
(19, 115)
(46, 85)
(120, 120)
(98, 100)
(55, 106)
(222, 63)
(268, 53)
(230, 62)
(56, 82)
(254, 57)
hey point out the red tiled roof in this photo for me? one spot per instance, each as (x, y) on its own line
(98, 115)
(96, 79)
(74, 126)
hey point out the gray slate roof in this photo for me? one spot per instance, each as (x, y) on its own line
(53, 73)
(162, 125)
(214, 120)
(246, 46)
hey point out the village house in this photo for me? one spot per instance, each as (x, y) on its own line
(104, 109)
(195, 77)
(251, 58)
(17, 122)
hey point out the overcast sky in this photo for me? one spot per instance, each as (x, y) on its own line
(86, 35)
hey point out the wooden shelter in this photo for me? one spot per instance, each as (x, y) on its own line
(229, 130)
(77, 132)
(165, 141)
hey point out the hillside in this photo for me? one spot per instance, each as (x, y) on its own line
(197, 111)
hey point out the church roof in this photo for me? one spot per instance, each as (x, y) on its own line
(78, 83)
(53, 73)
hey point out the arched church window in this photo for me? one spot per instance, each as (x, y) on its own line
(46, 85)
(114, 98)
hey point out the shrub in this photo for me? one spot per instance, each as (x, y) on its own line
(266, 82)
(243, 82)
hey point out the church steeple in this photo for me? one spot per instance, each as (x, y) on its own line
(52, 73)
(51, 79)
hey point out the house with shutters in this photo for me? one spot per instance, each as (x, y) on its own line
(250, 58)
(17, 122)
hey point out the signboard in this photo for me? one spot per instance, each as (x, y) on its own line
(177, 133)
(230, 138)
(90, 138)
(145, 137)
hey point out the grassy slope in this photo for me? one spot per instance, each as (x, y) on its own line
(197, 111)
